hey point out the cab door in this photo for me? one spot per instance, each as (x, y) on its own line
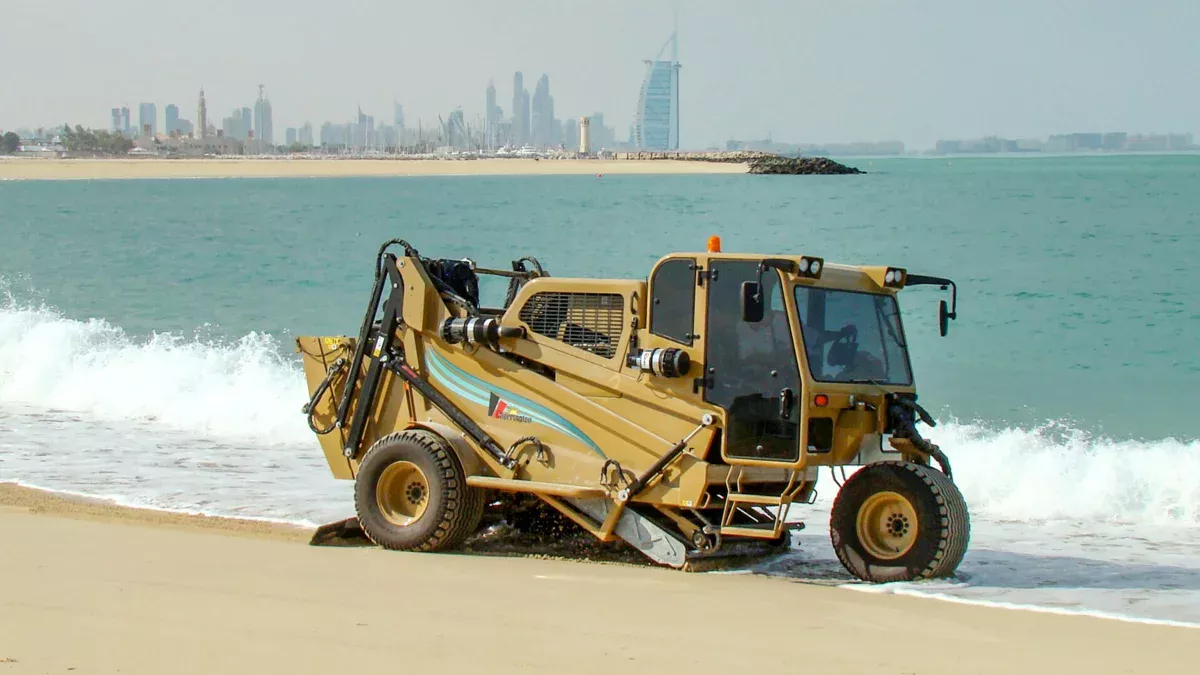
(751, 368)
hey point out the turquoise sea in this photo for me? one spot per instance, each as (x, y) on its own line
(145, 335)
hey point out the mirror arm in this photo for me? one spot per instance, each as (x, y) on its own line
(922, 280)
(781, 264)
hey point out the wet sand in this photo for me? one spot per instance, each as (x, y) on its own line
(67, 169)
(88, 587)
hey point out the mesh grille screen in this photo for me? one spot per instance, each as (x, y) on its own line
(589, 321)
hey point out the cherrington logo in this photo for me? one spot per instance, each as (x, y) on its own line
(500, 409)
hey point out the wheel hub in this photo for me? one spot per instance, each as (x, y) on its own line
(402, 493)
(887, 525)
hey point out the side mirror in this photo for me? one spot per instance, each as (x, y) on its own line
(943, 318)
(752, 302)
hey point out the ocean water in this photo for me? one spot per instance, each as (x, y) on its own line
(145, 338)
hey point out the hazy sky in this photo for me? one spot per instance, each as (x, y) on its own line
(800, 70)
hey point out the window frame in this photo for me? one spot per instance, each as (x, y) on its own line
(654, 309)
(899, 321)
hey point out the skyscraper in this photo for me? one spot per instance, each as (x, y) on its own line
(520, 110)
(656, 122)
(263, 132)
(570, 133)
(456, 131)
(147, 119)
(115, 125)
(306, 135)
(201, 116)
(490, 116)
(172, 119)
(542, 117)
(398, 115)
(126, 130)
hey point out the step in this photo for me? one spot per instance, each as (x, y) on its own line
(536, 487)
(766, 500)
(764, 531)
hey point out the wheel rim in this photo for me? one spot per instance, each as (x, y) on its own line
(887, 525)
(402, 493)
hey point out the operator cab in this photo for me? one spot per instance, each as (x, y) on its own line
(801, 359)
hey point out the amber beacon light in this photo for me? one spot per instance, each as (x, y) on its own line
(714, 244)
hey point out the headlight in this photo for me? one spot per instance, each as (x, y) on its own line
(894, 277)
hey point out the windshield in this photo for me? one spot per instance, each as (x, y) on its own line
(853, 337)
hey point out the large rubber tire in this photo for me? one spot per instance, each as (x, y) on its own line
(451, 509)
(893, 493)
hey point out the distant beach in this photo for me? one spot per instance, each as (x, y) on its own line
(84, 169)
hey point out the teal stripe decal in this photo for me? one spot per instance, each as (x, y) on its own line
(479, 392)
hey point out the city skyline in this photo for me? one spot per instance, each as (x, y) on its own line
(844, 71)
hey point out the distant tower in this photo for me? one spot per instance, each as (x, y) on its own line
(201, 116)
(585, 140)
(542, 114)
(263, 127)
(172, 119)
(520, 110)
(656, 122)
(491, 118)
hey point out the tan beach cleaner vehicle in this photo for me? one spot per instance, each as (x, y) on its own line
(684, 413)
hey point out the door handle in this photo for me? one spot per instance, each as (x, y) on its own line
(785, 404)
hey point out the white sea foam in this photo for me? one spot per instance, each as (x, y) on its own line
(244, 389)
(1060, 518)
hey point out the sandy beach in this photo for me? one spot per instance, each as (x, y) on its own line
(94, 588)
(77, 169)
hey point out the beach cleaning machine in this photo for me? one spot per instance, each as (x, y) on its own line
(684, 413)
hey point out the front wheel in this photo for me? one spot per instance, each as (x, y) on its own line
(899, 521)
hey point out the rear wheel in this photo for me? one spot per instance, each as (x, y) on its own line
(411, 494)
(899, 521)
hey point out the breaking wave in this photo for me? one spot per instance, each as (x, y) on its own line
(242, 389)
(249, 390)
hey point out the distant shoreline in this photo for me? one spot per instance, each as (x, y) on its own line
(28, 168)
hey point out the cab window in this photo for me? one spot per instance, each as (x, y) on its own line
(673, 300)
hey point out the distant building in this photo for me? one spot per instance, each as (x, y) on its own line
(656, 122)
(147, 119)
(456, 131)
(333, 135)
(263, 127)
(306, 135)
(290, 136)
(1147, 143)
(542, 120)
(505, 133)
(601, 137)
(520, 110)
(115, 125)
(1115, 141)
(201, 116)
(1180, 142)
(171, 122)
(570, 133)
